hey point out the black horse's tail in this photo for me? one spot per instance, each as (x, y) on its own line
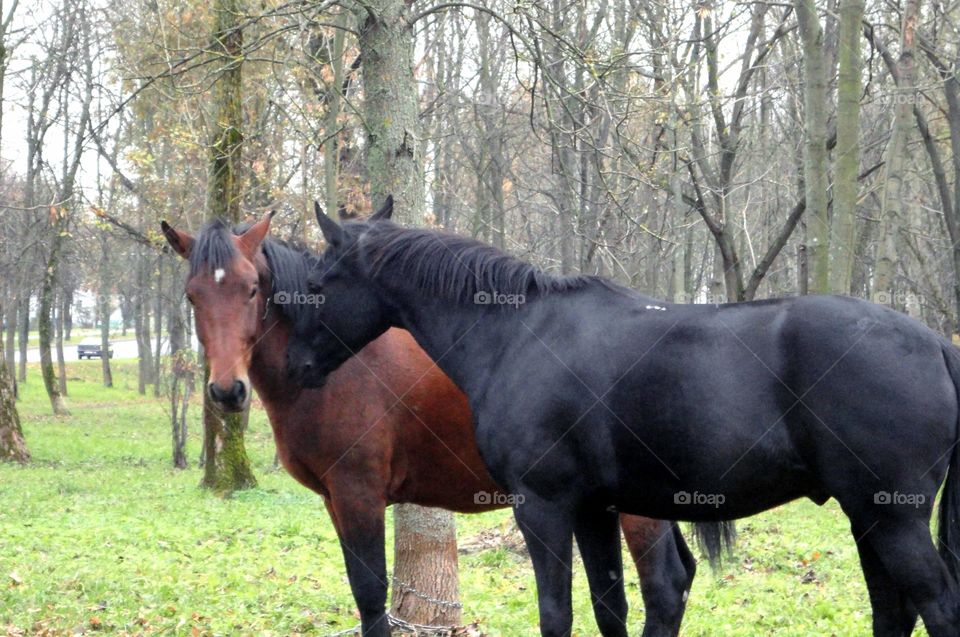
(716, 539)
(948, 523)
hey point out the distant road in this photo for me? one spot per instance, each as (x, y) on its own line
(124, 349)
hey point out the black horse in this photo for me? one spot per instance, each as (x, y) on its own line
(591, 399)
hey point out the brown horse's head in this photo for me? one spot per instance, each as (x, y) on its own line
(224, 288)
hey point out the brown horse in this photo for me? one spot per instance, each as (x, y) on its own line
(387, 426)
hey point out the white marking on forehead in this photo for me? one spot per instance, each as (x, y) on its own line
(219, 274)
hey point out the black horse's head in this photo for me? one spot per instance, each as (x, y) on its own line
(348, 312)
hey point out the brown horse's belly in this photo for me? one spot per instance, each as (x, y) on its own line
(435, 457)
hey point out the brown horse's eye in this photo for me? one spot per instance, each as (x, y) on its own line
(253, 292)
(190, 300)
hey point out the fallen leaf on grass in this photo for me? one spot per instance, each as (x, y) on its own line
(15, 578)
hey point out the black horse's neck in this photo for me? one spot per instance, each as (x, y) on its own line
(465, 302)
(464, 340)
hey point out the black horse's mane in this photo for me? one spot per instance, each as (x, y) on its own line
(289, 263)
(457, 267)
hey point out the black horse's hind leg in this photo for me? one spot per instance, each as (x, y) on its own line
(548, 533)
(598, 536)
(906, 550)
(666, 567)
(894, 615)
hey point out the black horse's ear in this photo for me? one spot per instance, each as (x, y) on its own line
(385, 211)
(332, 232)
(181, 242)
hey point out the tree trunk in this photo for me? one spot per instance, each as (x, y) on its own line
(226, 465)
(9, 347)
(394, 162)
(427, 550)
(815, 146)
(61, 329)
(45, 311)
(142, 322)
(158, 323)
(390, 108)
(23, 335)
(68, 313)
(331, 148)
(181, 384)
(490, 196)
(138, 319)
(892, 205)
(12, 445)
(103, 309)
(845, 183)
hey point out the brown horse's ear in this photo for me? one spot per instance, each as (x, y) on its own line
(249, 242)
(181, 242)
(385, 211)
(332, 232)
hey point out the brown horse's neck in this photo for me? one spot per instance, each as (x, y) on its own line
(268, 366)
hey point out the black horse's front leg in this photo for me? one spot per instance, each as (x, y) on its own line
(361, 532)
(598, 536)
(548, 533)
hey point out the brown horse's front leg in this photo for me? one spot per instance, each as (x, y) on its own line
(358, 519)
(666, 568)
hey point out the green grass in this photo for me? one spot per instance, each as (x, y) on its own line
(100, 534)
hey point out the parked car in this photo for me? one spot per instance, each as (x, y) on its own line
(90, 348)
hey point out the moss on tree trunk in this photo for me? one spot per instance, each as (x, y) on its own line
(226, 468)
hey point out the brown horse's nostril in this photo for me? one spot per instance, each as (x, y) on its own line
(236, 395)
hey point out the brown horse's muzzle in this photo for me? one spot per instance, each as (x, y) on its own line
(233, 398)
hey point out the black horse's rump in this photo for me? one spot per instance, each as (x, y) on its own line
(589, 397)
